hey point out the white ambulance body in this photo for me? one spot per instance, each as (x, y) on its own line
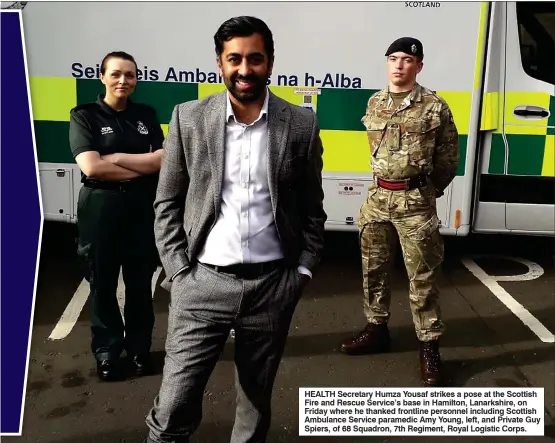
(493, 62)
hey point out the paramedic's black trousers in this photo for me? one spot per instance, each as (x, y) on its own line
(116, 231)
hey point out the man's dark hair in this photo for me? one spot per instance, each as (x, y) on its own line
(116, 54)
(244, 26)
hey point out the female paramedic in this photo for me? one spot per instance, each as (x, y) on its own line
(117, 144)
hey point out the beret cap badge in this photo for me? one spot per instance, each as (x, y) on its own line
(408, 45)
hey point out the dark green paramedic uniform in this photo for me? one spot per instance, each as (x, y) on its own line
(116, 226)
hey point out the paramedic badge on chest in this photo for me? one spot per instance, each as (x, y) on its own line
(142, 128)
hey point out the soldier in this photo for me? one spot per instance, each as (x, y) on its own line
(414, 156)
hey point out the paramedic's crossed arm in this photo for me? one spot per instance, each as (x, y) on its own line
(88, 159)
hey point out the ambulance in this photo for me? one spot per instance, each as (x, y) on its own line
(493, 62)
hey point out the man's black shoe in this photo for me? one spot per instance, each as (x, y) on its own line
(107, 370)
(141, 364)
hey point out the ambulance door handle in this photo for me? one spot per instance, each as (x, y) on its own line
(531, 112)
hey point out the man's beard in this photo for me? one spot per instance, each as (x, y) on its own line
(253, 94)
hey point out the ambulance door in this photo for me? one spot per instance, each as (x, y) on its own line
(528, 126)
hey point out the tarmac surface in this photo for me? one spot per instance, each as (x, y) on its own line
(496, 337)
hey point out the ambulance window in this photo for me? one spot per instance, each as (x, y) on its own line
(536, 24)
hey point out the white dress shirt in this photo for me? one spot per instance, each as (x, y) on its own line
(245, 231)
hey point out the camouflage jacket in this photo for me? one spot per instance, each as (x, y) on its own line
(419, 137)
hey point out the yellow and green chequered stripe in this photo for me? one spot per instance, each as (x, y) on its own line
(339, 112)
(531, 143)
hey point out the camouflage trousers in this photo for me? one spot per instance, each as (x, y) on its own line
(412, 216)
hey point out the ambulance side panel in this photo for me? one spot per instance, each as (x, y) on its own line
(336, 49)
(449, 69)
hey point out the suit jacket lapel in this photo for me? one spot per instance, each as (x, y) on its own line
(278, 132)
(214, 121)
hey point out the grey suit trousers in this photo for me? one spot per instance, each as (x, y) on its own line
(205, 305)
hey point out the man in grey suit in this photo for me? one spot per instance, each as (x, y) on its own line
(239, 227)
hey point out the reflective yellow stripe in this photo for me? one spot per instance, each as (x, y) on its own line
(206, 89)
(548, 168)
(459, 103)
(515, 125)
(345, 151)
(165, 129)
(52, 97)
(480, 47)
(490, 111)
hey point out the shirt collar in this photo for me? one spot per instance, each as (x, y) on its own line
(415, 95)
(263, 112)
(100, 101)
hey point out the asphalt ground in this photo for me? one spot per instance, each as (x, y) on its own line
(486, 344)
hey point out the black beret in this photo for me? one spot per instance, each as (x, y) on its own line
(408, 45)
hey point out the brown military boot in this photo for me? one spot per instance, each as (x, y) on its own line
(373, 339)
(430, 362)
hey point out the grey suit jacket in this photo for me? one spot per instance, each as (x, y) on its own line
(188, 197)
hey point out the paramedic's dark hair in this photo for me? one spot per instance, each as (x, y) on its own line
(244, 26)
(117, 54)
